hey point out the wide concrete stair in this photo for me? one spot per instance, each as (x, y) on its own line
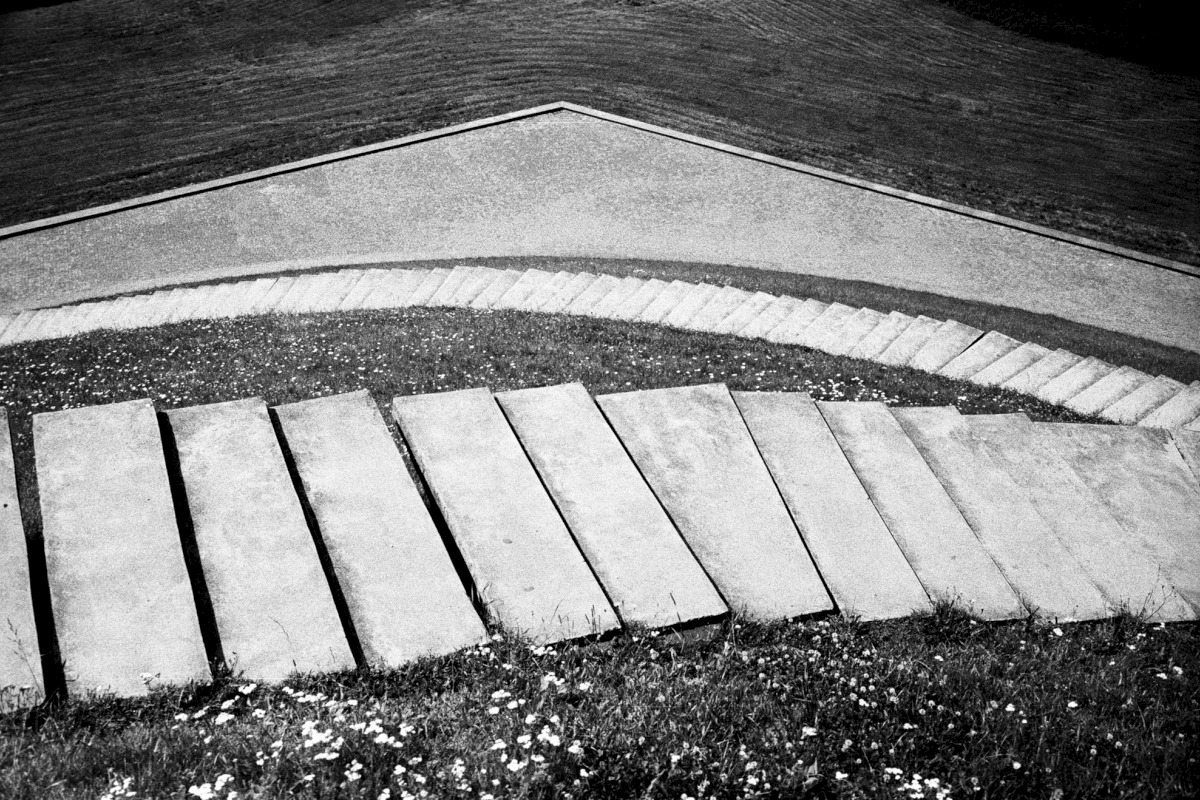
(340, 532)
(1115, 393)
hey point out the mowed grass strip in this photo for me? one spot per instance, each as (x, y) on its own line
(928, 707)
(915, 95)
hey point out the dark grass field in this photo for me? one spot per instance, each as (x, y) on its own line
(102, 100)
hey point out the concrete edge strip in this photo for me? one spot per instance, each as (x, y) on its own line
(713, 325)
(342, 155)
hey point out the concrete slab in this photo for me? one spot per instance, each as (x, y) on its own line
(856, 328)
(312, 297)
(453, 282)
(910, 341)
(1073, 381)
(173, 298)
(690, 304)
(99, 310)
(476, 282)
(665, 303)
(947, 342)
(1044, 572)
(1188, 444)
(718, 307)
(636, 303)
(272, 602)
(32, 332)
(14, 329)
(986, 351)
(1139, 476)
(745, 313)
(1121, 566)
(75, 323)
(862, 565)
(299, 287)
(402, 591)
(1177, 412)
(607, 305)
(281, 287)
(1194, 425)
(424, 290)
(524, 286)
(940, 546)
(1041, 372)
(694, 450)
(133, 316)
(526, 567)
(119, 587)
(628, 539)
(5, 321)
(337, 290)
(1141, 401)
(822, 332)
(547, 291)
(791, 329)
(1108, 390)
(771, 316)
(20, 655)
(396, 289)
(567, 294)
(1011, 364)
(241, 300)
(362, 290)
(593, 294)
(496, 289)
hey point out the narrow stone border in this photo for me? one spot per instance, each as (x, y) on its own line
(997, 219)
(948, 348)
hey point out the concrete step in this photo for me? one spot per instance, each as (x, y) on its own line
(331, 297)
(318, 288)
(547, 291)
(665, 302)
(593, 294)
(690, 304)
(578, 284)
(1139, 476)
(914, 337)
(402, 591)
(119, 587)
(21, 681)
(823, 331)
(526, 567)
(1045, 573)
(773, 315)
(1073, 381)
(287, 304)
(32, 332)
(1041, 372)
(1125, 572)
(163, 310)
(1138, 404)
(1179, 411)
(642, 562)
(607, 305)
(267, 305)
(425, 289)
(478, 280)
(496, 289)
(445, 292)
(362, 290)
(274, 609)
(5, 321)
(940, 546)
(860, 562)
(1011, 364)
(694, 450)
(744, 314)
(400, 288)
(792, 328)
(54, 322)
(1188, 444)
(13, 331)
(96, 311)
(949, 340)
(986, 351)
(519, 291)
(248, 296)
(854, 330)
(718, 307)
(1108, 390)
(636, 303)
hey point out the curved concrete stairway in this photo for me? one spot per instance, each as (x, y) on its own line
(950, 348)
(295, 538)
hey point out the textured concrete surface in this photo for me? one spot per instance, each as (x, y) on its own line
(1141, 401)
(694, 450)
(990, 348)
(938, 543)
(1074, 380)
(119, 587)
(910, 341)
(791, 329)
(274, 609)
(1180, 410)
(20, 656)
(1044, 572)
(629, 541)
(774, 314)
(947, 342)
(882, 336)
(1108, 390)
(402, 591)
(525, 565)
(573, 184)
(1041, 372)
(862, 565)
(1011, 364)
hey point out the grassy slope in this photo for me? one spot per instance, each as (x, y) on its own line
(107, 99)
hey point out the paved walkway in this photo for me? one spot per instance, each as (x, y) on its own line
(1090, 386)
(568, 516)
(566, 181)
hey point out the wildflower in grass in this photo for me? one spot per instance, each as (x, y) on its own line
(222, 718)
(840, 776)
(354, 772)
(1016, 765)
(182, 717)
(248, 688)
(494, 710)
(258, 713)
(575, 749)
(1072, 704)
(118, 786)
(807, 731)
(203, 792)
(228, 704)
